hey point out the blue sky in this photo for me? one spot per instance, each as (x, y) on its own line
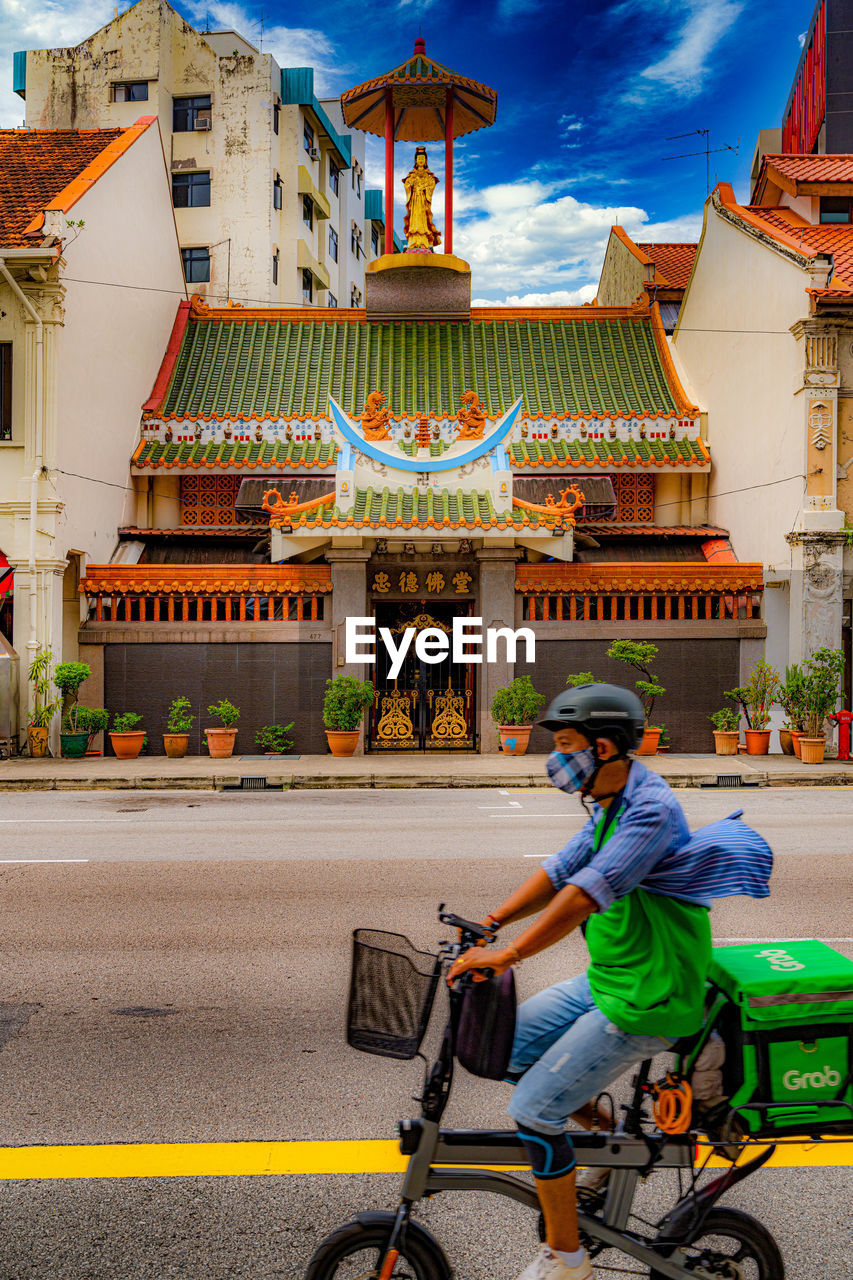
(588, 95)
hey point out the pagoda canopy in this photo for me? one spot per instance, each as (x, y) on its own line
(419, 89)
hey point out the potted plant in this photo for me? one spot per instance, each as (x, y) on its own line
(126, 739)
(44, 707)
(758, 695)
(73, 737)
(68, 678)
(176, 739)
(91, 720)
(726, 731)
(273, 739)
(822, 673)
(640, 654)
(344, 703)
(514, 708)
(791, 700)
(220, 742)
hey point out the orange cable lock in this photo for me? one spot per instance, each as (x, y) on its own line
(672, 1104)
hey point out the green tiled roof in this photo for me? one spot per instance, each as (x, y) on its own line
(288, 368)
(436, 448)
(608, 453)
(310, 454)
(434, 508)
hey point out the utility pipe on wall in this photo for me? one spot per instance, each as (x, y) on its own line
(32, 643)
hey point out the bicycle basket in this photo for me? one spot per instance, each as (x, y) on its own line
(392, 989)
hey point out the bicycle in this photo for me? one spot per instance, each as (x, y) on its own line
(694, 1240)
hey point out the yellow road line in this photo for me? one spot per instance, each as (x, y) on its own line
(247, 1159)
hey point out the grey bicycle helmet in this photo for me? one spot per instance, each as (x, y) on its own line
(598, 710)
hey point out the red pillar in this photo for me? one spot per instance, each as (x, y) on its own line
(389, 171)
(448, 173)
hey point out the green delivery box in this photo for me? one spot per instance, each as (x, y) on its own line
(785, 1012)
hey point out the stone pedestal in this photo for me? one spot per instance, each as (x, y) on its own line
(418, 286)
(349, 600)
(817, 591)
(497, 609)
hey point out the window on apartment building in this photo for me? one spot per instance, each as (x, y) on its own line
(308, 211)
(275, 267)
(196, 265)
(333, 244)
(307, 285)
(307, 136)
(131, 91)
(191, 113)
(190, 190)
(5, 391)
(333, 302)
(355, 241)
(835, 208)
(334, 177)
(276, 117)
(355, 297)
(374, 238)
(357, 175)
(276, 192)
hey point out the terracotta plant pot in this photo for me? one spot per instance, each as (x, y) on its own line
(757, 741)
(726, 741)
(176, 745)
(73, 745)
(812, 749)
(650, 742)
(220, 742)
(37, 742)
(514, 738)
(786, 742)
(796, 735)
(342, 742)
(127, 746)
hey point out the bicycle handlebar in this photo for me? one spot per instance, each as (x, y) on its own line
(479, 932)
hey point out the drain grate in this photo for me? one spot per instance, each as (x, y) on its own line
(733, 780)
(253, 784)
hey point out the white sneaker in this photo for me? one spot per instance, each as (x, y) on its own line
(548, 1266)
(593, 1179)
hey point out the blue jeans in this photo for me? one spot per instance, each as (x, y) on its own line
(566, 1051)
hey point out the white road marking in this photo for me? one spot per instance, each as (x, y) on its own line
(7, 862)
(65, 821)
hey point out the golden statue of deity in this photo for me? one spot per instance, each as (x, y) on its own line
(420, 183)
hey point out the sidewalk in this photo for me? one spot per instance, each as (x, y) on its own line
(439, 769)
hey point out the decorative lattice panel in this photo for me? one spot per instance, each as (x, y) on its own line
(209, 500)
(635, 498)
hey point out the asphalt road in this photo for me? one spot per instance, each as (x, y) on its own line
(187, 983)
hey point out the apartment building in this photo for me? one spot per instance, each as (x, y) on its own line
(267, 185)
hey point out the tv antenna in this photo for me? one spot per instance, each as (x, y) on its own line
(707, 151)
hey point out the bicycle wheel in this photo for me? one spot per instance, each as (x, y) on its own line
(353, 1251)
(738, 1246)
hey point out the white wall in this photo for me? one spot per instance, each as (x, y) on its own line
(744, 365)
(124, 283)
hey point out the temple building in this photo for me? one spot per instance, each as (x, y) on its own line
(413, 462)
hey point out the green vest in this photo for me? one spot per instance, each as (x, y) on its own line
(649, 959)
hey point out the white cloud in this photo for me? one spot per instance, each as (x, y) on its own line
(290, 46)
(802, 38)
(527, 239)
(570, 124)
(683, 69)
(558, 298)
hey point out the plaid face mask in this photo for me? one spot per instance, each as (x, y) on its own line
(569, 771)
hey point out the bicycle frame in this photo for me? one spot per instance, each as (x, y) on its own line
(459, 1160)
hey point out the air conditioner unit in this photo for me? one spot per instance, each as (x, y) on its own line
(201, 122)
(314, 153)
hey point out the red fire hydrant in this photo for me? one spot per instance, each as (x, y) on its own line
(843, 719)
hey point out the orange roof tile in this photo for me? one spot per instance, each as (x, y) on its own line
(799, 170)
(51, 169)
(673, 262)
(794, 232)
(676, 577)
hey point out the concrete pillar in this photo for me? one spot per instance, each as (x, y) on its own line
(817, 591)
(349, 600)
(497, 609)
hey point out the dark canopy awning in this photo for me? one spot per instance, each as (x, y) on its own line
(599, 497)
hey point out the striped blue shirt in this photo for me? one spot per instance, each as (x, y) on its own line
(652, 849)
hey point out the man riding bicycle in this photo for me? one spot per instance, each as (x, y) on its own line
(649, 937)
